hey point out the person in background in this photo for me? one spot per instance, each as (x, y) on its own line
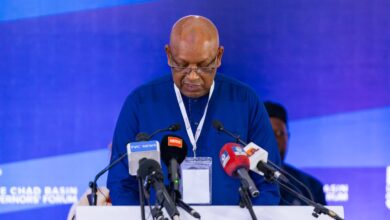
(279, 122)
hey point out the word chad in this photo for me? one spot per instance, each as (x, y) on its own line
(36, 195)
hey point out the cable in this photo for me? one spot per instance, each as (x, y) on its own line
(318, 208)
(292, 177)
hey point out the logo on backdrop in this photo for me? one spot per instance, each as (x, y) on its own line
(336, 192)
(28, 195)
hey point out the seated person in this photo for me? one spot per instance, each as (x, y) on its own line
(278, 118)
(103, 199)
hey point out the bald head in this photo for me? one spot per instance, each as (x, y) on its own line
(195, 33)
(194, 55)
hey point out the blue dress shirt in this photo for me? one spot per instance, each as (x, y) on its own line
(154, 106)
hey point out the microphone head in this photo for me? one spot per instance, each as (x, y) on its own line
(174, 127)
(173, 147)
(148, 167)
(217, 125)
(142, 137)
(136, 151)
(233, 157)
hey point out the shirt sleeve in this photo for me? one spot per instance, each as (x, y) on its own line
(260, 132)
(123, 187)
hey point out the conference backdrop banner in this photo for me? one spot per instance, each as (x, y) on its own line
(66, 66)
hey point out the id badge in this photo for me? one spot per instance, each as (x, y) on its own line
(197, 180)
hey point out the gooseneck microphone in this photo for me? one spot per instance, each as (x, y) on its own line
(258, 156)
(92, 198)
(150, 171)
(219, 127)
(145, 137)
(136, 152)
(253, 153)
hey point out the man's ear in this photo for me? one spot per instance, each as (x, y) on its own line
(220, 53)
(167, 52)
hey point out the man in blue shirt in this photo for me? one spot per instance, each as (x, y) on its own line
(279, 122)
(194, 96)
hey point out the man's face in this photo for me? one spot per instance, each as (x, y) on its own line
(203, 60)
(281, 135)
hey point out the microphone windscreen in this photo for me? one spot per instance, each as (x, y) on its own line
(142, 137)
(174, 127)
(147, 167)
(233, 157)
(217, 125)
(173, 147)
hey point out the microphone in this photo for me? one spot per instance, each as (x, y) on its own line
(140, 150)
(235, 162)
(173, 152)
(258, 156)
(150, 171)
(136, 151)
(219, 127)
(92, 198)
(145, 137)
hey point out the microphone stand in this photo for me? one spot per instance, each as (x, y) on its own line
(92, 198)
(237, 137)
(174, 189)
(177, 198)
(158, 214)
(141, 197)
(145, 193)
(318, 208)
(245, 201)
(156, 211)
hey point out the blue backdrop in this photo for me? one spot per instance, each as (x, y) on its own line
(66, 67)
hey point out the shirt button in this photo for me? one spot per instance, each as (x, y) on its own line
(196, 123)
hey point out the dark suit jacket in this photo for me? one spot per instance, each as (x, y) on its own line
(312, 183)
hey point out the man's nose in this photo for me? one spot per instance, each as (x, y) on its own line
(193, 75)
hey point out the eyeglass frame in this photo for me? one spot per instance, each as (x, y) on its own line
(206, 70)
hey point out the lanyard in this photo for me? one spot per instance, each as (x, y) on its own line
(193, 139)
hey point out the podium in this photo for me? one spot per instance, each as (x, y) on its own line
(206, 212)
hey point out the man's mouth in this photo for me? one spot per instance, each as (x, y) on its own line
(192, 87)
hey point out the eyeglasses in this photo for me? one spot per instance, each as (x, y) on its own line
(207, 70)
